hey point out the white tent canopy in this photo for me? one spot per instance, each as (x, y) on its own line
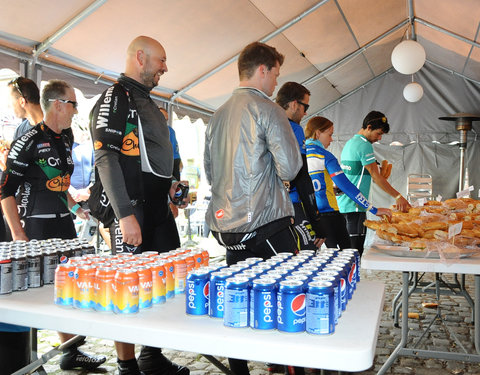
(339, 49)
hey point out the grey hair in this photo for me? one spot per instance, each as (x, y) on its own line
(54, 89)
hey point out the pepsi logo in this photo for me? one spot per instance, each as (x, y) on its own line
(219, 294)
(342, 284)
(206, 289)
(267, 303)
(63, 259)
(160, 273)
(298, 305)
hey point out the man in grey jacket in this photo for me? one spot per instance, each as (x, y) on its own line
(249, 150)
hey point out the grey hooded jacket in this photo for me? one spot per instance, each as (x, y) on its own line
(250, 149)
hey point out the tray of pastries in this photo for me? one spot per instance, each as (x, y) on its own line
(450, 228)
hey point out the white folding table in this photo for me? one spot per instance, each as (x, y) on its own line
(350, 348)
(374, 259)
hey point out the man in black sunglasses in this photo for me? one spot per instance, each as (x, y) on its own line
(25, 102)
(294, 98)
(39, 166)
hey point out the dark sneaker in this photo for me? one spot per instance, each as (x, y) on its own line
(75, 358)
(152, 362)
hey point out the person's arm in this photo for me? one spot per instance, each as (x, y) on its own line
(282, 144)
(107, 128)
(18, 161)
(9, 207)
(304, 186)
(401, 202)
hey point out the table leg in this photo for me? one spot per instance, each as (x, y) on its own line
(403, 340)
(477, 314)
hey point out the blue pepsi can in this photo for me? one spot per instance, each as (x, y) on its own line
(277, 277)
(284, 255)
(237, 300)
(253, 260)
(291, 306)
(217, 293)
(320, 308)
(337, 285)
(343, 283)
(197, 292)
(336, 293)
(261, 268)
(356, 253)
(352, 275)
(350, 278)
(263, 310)
(303, 278)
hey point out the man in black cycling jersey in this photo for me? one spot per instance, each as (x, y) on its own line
(40, 164)
(133, 171)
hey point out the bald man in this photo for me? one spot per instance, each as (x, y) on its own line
(133, 172)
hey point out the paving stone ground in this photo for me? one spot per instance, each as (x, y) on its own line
(454, 309)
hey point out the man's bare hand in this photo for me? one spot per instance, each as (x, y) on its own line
(131, 232)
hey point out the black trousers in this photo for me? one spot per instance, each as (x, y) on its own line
(356, 229)
(334, 226)
(159, 231)
(14, 351)
(285, 240)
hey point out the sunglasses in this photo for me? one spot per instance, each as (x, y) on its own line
(305, 106)
(75, 104)
(14, 83)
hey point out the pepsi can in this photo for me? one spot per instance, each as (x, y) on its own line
(197, 294)
(356, 253)
(291, 306)
(350, 278)
(217, 293)
(336, 293)
(340, 272)
(264, 304)
(237, 300)
(320, 308)
(352, 275)
(253, 260)
(284, 255)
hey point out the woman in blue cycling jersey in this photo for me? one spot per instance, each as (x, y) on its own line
(325, 171)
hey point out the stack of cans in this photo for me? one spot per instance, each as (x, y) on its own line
(32, 264)
(125, 283)
(290, 293)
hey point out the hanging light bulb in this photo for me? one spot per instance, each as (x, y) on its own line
(413, 92)
(408, 57)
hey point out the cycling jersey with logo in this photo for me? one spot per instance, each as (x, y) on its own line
(39, 166)
(357, 153)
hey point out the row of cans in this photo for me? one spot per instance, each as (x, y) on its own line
(125, 283)
(306, 292)
(32, 264)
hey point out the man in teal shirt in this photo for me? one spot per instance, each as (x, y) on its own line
(359, 165)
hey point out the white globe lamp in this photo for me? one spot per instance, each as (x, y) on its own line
(413, 92)
(408, 57)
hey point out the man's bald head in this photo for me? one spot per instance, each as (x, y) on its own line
(146, 61)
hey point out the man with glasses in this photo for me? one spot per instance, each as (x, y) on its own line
(39, 166)
(294, 98)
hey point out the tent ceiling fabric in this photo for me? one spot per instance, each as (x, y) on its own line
(200, 36)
